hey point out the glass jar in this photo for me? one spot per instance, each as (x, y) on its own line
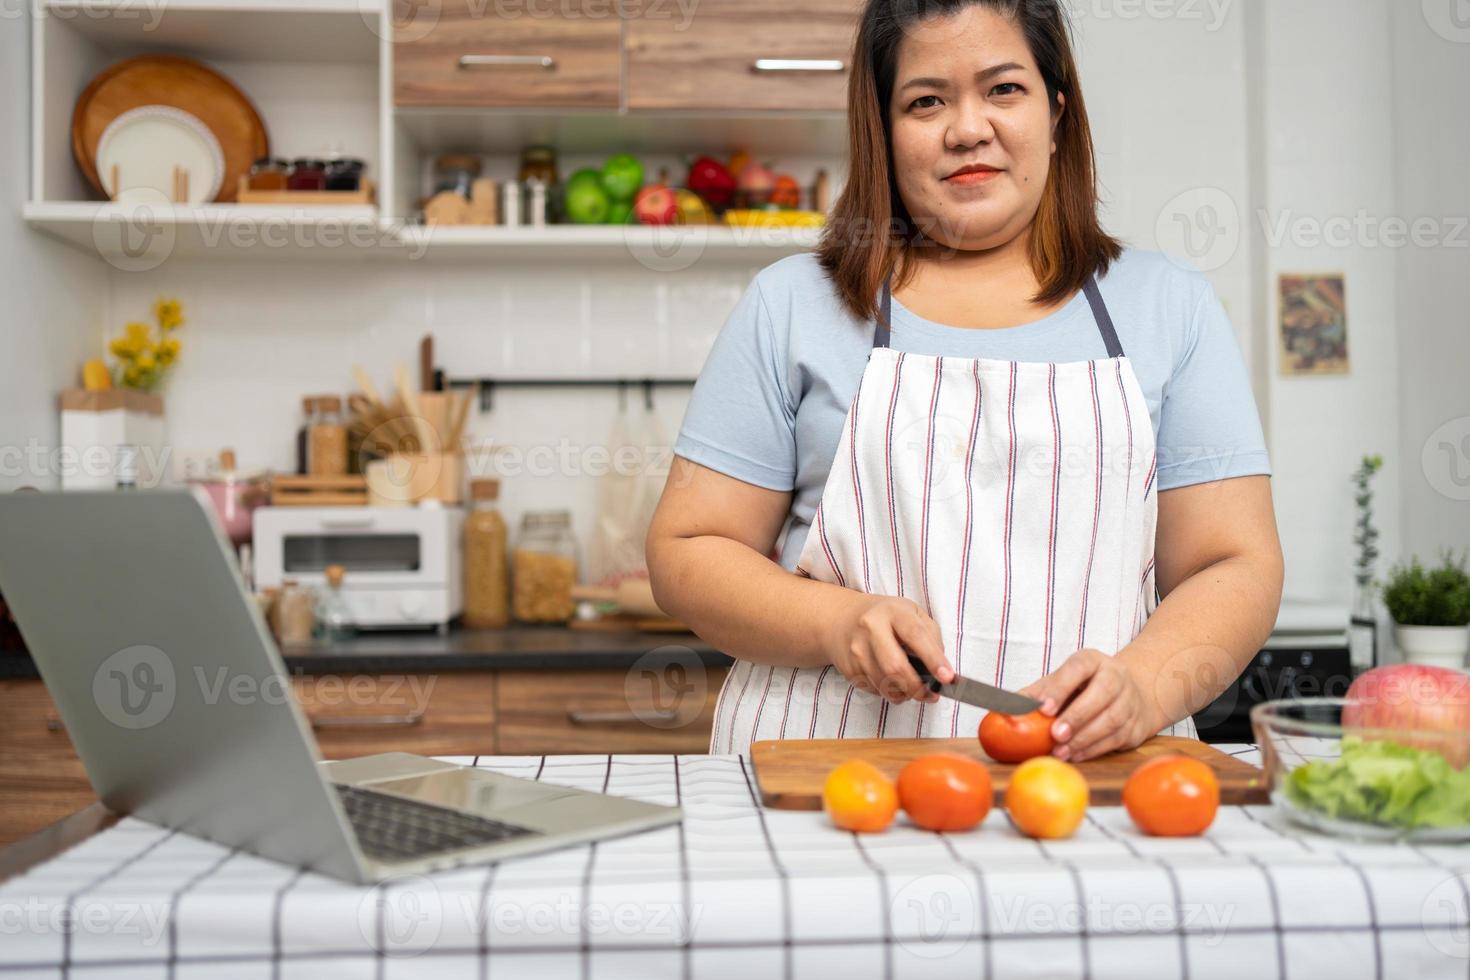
(456, 172)
(307, 175)
(294, 614)
(333, 616)
(544, 568)
(345, 174)
(268, 174)
(538, 163)
(486, 573)
(326, 438)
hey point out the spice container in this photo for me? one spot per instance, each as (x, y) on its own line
(486, 572)
(456, 172)
(326, 438)
(293, 614)
(544, 568)
(538, 163)
(345, 174)
(268, 174)
(307, 175)
(511, 204)
(536, 203)
(333, 617)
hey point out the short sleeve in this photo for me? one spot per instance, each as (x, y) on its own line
(741, 420)
(1209, 427)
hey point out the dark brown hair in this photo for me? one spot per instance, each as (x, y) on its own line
(870, 234)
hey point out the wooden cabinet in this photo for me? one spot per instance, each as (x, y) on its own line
(427, 714)
(566, 55)
(578, 711)
(744, 54)
(531, 712)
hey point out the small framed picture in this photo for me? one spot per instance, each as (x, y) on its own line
(1313, 324)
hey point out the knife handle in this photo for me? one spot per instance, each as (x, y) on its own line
(926, 678)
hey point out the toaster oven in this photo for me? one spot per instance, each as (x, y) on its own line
(403, 565)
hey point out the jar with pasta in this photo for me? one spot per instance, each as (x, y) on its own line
(486, 578)
(326, 438)
(544, 568)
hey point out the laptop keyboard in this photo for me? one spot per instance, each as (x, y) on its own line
(392, 828)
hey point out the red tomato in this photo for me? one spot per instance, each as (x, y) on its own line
(1016, 738)
(858, 797)
(1172, 796)
(945, 792)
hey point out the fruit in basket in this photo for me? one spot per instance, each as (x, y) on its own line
(585, 200)
(710, 179)
(656, 205)
(858, 797)
(1016, 738)
(1172, 796)
(945, 792)
(622, 175)
(1047, 798)
(1417, 700)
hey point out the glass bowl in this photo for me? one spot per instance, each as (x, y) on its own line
(1377, 784)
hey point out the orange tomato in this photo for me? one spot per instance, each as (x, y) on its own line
(1016, 738)
(1046, 797)
(945, 791)
(1172, 796)
(859, 797)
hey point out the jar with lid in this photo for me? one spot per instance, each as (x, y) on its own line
(326, 437)
(307, 174)
(333, 616)
(456, 172)
(544, 568)
(486, 571)
(538, 163)
(345, 174)
(293, 615)
(268, 174)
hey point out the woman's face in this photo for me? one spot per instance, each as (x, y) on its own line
(972, 129)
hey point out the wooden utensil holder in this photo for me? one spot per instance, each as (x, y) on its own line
(404, 479)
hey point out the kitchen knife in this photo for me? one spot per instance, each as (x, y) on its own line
(978, 693)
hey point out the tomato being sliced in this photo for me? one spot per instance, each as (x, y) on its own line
(1016, 738)
(945, 791)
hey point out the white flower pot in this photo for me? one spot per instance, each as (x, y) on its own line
(1434, 646)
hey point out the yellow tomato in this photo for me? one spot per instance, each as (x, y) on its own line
(858, 797)
(1046, 798)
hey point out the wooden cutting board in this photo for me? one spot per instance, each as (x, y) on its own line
(791, 772)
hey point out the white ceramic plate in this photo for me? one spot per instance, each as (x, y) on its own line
(146, 144)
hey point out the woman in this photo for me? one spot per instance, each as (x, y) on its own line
(997, 439)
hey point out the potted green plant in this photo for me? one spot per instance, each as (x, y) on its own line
(1431, 611)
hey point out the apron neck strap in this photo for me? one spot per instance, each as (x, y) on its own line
(883, 331)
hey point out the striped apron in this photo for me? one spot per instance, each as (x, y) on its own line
(1014, 502)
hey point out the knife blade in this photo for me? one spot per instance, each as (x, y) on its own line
(978, 693)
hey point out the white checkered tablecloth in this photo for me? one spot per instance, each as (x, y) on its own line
(738, 891)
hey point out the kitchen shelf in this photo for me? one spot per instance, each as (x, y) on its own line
(140, 239)
(337, 31)
(143, 239)
(667, 249)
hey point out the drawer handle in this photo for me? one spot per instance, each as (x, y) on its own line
(366, 721)
(503, 60)
(603, 717)
(799, 64)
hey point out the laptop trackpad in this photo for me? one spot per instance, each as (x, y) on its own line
(482, 793)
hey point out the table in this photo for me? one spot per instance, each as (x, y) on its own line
(740, 891)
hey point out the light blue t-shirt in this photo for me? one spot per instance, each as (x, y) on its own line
(769, 404)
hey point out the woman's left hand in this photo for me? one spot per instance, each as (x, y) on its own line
(1103, 707)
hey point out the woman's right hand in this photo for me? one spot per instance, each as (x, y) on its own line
(871, 638)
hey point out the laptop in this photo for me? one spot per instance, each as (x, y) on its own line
(179, 704)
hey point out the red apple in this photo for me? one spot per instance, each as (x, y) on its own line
(656, 204)
(1417, 698)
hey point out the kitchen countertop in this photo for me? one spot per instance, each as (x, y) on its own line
(741, 891)
(515, 648)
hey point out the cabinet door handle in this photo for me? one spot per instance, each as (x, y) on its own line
(366, 721)
(504, 60)
(799, 64)
(603, 717)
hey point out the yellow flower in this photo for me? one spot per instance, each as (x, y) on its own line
(146, 361)
(138, 333)
(168, 351)
(131, 376)
(122, 349)
(170, 314)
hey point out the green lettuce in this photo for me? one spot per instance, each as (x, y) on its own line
(1383, 782)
